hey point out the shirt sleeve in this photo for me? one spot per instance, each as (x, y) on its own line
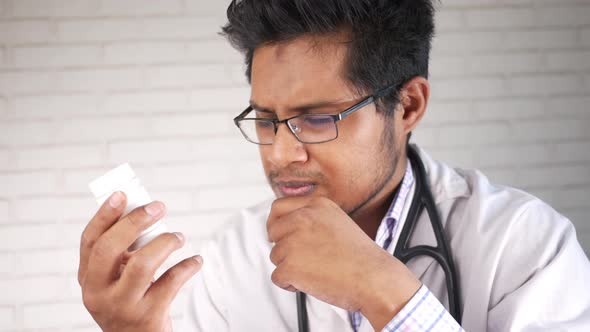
(423, 313)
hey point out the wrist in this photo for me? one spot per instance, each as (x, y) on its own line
(389, 288)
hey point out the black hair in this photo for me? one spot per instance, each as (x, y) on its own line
(390, 40)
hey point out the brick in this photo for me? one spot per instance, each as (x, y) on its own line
(521, 155)
(553, 176)
(449, 20)
(233, 147)
(505, 63)
(145, 53)
(467, 42)
(569, 60)
(499, 18)
(28, 183)
(188, 76)
(29, 31)
(585, 37)
(53, 8)
(464, 157)
(41, 316)
(53, 106)
(150, 151)
(232, 99)
(564, 16)
(7, 318)
(47, 262)
(7, 160)
(55, 209)
(207, 8)
(28, 237)
(178, 27)
(551, 130)
(103, 130)
(141, 102)
(448, 112)
(100, 30)
(8, 264)
(28, 133)
(213, 51)
(541, 39)
(140, 7)
(94, 80)
(544, 85)
(31, 290)
(193, 125)
(455, 89)
(571, 198)
(509, 109)
(62, 56)
(475, 135)
(5, 213)
(448, 66)
(26, 82)
(426, 136)
(59, 157)
(191, 175)
(564, 106)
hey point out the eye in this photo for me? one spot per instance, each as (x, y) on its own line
(318, 121)
(264, 124)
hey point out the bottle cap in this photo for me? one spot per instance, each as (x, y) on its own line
(112, 180)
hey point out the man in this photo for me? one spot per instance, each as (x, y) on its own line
(337, 88)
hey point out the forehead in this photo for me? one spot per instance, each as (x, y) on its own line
(304, 69)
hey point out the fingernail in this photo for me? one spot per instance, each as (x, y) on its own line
(116, 199)
(154, 209)
(179, 236)
(199, 259)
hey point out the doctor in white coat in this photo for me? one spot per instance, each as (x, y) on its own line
(337, 88)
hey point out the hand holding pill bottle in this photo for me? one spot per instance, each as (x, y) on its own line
(121, 250)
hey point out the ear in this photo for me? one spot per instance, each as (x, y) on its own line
(414, 100)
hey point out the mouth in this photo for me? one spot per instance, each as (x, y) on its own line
(291, 189)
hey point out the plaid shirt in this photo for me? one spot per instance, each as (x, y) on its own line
(424, 312)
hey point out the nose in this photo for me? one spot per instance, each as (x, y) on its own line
(286, 149)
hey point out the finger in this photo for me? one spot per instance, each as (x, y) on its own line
(282, 207)
(106, 254)
(282, 249)
(109, 212)
(280, 277)
(142, 265)
(165, 289)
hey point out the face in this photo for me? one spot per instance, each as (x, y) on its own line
(289, 77)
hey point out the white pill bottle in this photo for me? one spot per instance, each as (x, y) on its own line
(123, 179)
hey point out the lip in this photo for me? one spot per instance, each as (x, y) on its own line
(295, 188)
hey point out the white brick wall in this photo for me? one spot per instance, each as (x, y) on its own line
(88, 84)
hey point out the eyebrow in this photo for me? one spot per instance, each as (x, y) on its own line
(305, 108)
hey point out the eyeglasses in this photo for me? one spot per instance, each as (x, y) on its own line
(307, 128)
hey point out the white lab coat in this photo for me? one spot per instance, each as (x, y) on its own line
(519, 263)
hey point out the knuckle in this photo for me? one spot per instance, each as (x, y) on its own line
(85, 240)
(103, 248)
(274, 256)
(138, 265)
(92, 302)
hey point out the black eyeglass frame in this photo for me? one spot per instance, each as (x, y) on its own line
(335, 117)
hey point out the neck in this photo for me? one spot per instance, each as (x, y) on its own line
(369, 217)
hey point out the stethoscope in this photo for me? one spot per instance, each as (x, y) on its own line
(441, 253)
